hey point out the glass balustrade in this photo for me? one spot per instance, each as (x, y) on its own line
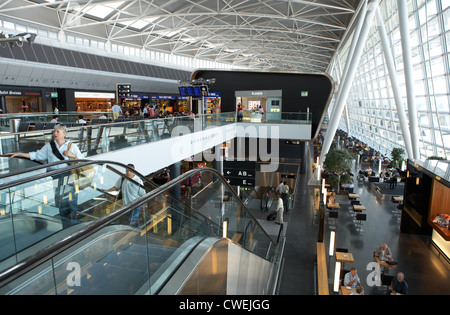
(85, 240)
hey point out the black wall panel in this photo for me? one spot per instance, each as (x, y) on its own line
(318, 85)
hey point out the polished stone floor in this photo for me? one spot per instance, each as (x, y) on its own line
(425, 272)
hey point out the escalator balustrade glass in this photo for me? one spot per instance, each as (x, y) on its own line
(99, 250)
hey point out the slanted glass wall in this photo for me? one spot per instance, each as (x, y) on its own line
(373, 116)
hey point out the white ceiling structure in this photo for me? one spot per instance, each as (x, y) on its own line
(292, 35)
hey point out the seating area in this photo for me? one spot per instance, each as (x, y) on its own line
(367, 217)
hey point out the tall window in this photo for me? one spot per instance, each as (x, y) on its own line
(372, 111)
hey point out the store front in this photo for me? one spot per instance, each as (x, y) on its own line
(135, 103)
(166, 103)
(94, 101)
(213, 103)
(256, 103)
(183, 104)
(20, 100)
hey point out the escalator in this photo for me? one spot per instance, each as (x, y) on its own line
(98, 251)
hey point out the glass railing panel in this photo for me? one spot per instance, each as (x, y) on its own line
(106, 137)
(277, 117)
(46, 117)
(128, 256)
(123, 259)
(49, 207)
(216, 201)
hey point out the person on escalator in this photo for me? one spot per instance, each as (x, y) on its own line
(66, 199)
(279, 210)
(132, 188)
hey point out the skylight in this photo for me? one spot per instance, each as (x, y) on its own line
(101, 11)
(139, 24)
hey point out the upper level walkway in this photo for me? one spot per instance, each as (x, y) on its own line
(150, 144)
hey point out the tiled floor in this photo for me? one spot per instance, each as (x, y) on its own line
(424, 271)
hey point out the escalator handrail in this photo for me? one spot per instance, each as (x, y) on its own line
(51, 251)
(83, 162)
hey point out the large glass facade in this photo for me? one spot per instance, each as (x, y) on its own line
(372, 112)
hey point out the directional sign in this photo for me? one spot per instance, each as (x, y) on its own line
(234, 181)
(239, 173)
(124, 90)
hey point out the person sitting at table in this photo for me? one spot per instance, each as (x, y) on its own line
(351, 278)
(332, 198)
(383, 252)
(398, 285)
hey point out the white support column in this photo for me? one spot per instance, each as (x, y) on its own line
(394, 83)
(356, 32)
(348, 80)
(407, 61)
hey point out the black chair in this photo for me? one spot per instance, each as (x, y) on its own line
(342, 275)
(49, 126)
(386, 281)
(39, 126)
(332, 219)
(23, 127)
(359, 218)
(341, 250)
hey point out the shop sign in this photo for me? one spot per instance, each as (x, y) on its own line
(137, 96)
(19, 93)
(94, 95)
(164, 97)
(261, 93)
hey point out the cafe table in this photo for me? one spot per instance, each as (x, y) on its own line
(344, 258)
(353, 196)
(383, 263)
(359, 208)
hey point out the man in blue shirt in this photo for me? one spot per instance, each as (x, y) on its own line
(132, 188)
(351, 279)
(398, 285)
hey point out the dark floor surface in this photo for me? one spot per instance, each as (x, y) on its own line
(425, 271)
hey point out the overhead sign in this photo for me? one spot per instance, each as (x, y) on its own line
(239, 173)
(241, 181)
(124, 90)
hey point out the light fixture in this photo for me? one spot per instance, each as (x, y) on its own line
(337, 275)
(224, 229)
(332, 239)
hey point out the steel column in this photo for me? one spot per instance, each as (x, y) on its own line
(348, 80)
(407, 61)
(394, 84)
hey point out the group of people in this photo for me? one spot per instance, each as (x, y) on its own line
(398, 284)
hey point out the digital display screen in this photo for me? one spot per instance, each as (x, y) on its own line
(182, 90)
